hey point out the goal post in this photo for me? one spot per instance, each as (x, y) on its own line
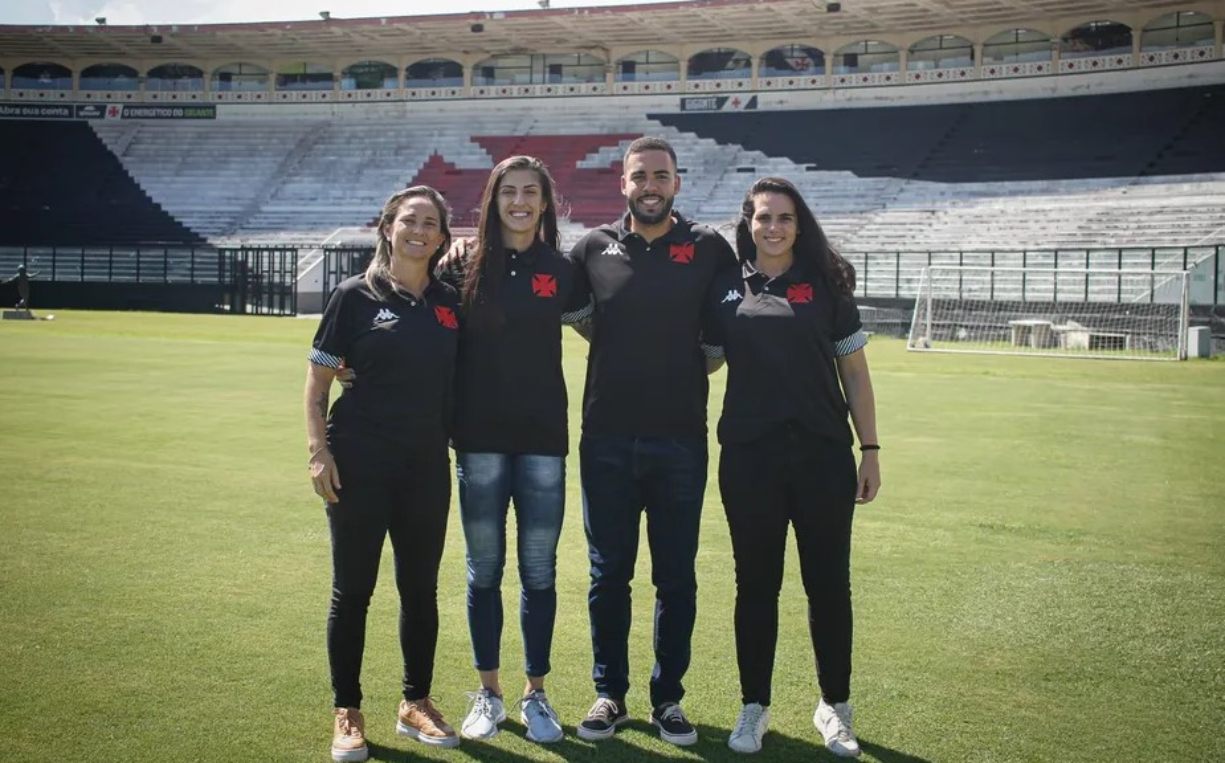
(1052, 312)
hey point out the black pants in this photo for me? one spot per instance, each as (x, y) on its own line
(791, 476)
(405, 493)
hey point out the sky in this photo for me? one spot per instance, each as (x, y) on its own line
(118, 12)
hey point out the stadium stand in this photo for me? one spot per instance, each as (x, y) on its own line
(212, 175)
(60, 185)
(1093, 136)
(1093, 171)
(1015, 140)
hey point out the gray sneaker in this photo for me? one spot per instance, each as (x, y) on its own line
(539, 718)
(750, 728)
(484, 716)
(834, 723)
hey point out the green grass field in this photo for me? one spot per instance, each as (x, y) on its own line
(1042, 578)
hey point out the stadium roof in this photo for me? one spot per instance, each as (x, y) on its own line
(561, 29)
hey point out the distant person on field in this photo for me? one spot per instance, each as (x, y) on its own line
(22, 279)
(790, 329)
(379, 458)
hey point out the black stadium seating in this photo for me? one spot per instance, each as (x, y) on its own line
(1159, 132)
(59, 184)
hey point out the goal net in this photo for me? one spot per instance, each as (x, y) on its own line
(1092, 313)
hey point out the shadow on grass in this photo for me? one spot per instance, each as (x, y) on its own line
(711, 746)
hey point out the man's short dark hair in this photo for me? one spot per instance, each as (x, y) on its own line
(648, 143)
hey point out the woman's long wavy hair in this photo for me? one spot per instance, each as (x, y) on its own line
(378, 273)
(486, 264)
(811, 246)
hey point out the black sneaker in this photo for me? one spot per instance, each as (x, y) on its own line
(673, 726)
(603, 719)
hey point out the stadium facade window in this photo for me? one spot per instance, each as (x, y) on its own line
(720, 63)
(434, 72)
(1017, 46)
(539, 69)
(791, 60)
(648, 66)
(174, 77)
(369, 75)
(1096, 38)
(42, 76)
(240, 77)
(304, 76)
(944, 51)
(1185, 29)
(109, 77)
(866, 56)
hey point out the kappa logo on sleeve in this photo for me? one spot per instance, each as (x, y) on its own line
(614, 249)
(544, 285)
(682, 253)
(446, 317)
(732, 295)
(799, 293)
(384, 315)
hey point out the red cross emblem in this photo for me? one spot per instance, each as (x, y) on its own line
(112, 111)
(799, 292)
(682, 253)
(544, 285)
(446, 317)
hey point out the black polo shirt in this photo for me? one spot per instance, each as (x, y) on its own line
(403, 351)
(781, 337)
(510, 390)
(646, 374)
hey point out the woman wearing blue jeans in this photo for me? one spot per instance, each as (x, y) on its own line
(510, 433)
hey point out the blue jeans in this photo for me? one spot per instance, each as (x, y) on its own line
(622, 476)
(487, 483)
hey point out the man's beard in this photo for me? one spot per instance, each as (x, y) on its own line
(665, 211)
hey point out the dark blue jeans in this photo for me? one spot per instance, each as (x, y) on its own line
(622, 476)
(487, 483)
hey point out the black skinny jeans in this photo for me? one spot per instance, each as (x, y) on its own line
(791, 476)
(388, 490)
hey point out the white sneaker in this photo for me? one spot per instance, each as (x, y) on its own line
(486, 713)
(539, 717)
(750, 728)
(834, 723)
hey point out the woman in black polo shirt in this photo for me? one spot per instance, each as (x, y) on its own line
(510, 428)
(788, 325)
(380, 458)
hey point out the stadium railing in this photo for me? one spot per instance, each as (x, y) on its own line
(158, 276)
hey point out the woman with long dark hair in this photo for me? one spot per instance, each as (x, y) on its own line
(788, 325)
(379, 457)
(510, 432)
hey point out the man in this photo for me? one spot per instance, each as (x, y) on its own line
(644, 430)
(22, 279)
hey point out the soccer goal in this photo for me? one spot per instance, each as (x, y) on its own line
(1124, 314)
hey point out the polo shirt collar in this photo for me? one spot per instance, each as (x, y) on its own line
(794, 274)
(434, 287)
(680, 225)
(528, 256)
